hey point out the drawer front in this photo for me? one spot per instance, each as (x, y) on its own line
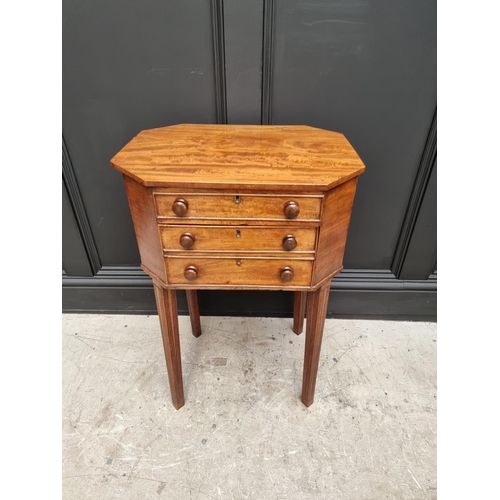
(238, 271)
(238, 239)
(246, 207)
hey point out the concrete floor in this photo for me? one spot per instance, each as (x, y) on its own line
(243, 433)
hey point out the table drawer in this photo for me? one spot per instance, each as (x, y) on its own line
(238, 238)
(228, 206)
(238, 271)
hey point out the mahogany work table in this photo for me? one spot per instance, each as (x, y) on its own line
(240, 207)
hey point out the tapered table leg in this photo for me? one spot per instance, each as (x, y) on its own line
(299, 310)
(316, 312)
(194, 312)
(166, 301)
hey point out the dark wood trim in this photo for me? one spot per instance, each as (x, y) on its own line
(166, 301)
(299, 311)
(76, 201)
(417, 195)
(317, 304)
(267, 61)
(354, 293)
(194, 312)
(219, 60)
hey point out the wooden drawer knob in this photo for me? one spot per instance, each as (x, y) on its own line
(292, 210)
(289, 242)
(180, 207)
(187, 240)
(191, 273)
(286, 274)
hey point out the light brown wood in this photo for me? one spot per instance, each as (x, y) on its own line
(299, 310)
(194, 312)
(237, 208)
(166, 301)
(317, 305)
(220, 271)
(142, 209)
(276, 158)
(241, 207)
(237, 239)
(183, 221)
(333, 230)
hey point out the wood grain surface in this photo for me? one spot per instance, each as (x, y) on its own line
(299, 311)
(216, 206)
(276, 158)
(238, 271)
(166, 301)
(238, 238)
(333, 230)
(317, 304)
(142, 209)
(225, 206)
(194, 312)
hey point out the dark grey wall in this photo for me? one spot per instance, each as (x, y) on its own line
(128, 66)
(243, 53)
(367, 69)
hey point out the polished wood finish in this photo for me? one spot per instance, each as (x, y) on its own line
(166, 301)
(287, 274)
(289, 242)
(222, 271)
(187, 221)
(241, 207)
(142, 209)
(292, 210)
(222, 206)
(180, 207)
(186, 240)
(299, 311)
(333, 230)
(317, 304)
(238, 239)
(191, 273)
(270, 158)
(194, 312)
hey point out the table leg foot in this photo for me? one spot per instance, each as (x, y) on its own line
(166, 301)
(299, 311)
(316, 313)
(194, 312)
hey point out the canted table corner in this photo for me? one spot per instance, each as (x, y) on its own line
(240, 207)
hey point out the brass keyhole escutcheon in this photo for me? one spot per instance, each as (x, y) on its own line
(238, 233)
(237, 200)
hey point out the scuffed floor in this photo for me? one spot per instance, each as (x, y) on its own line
(243, 432)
